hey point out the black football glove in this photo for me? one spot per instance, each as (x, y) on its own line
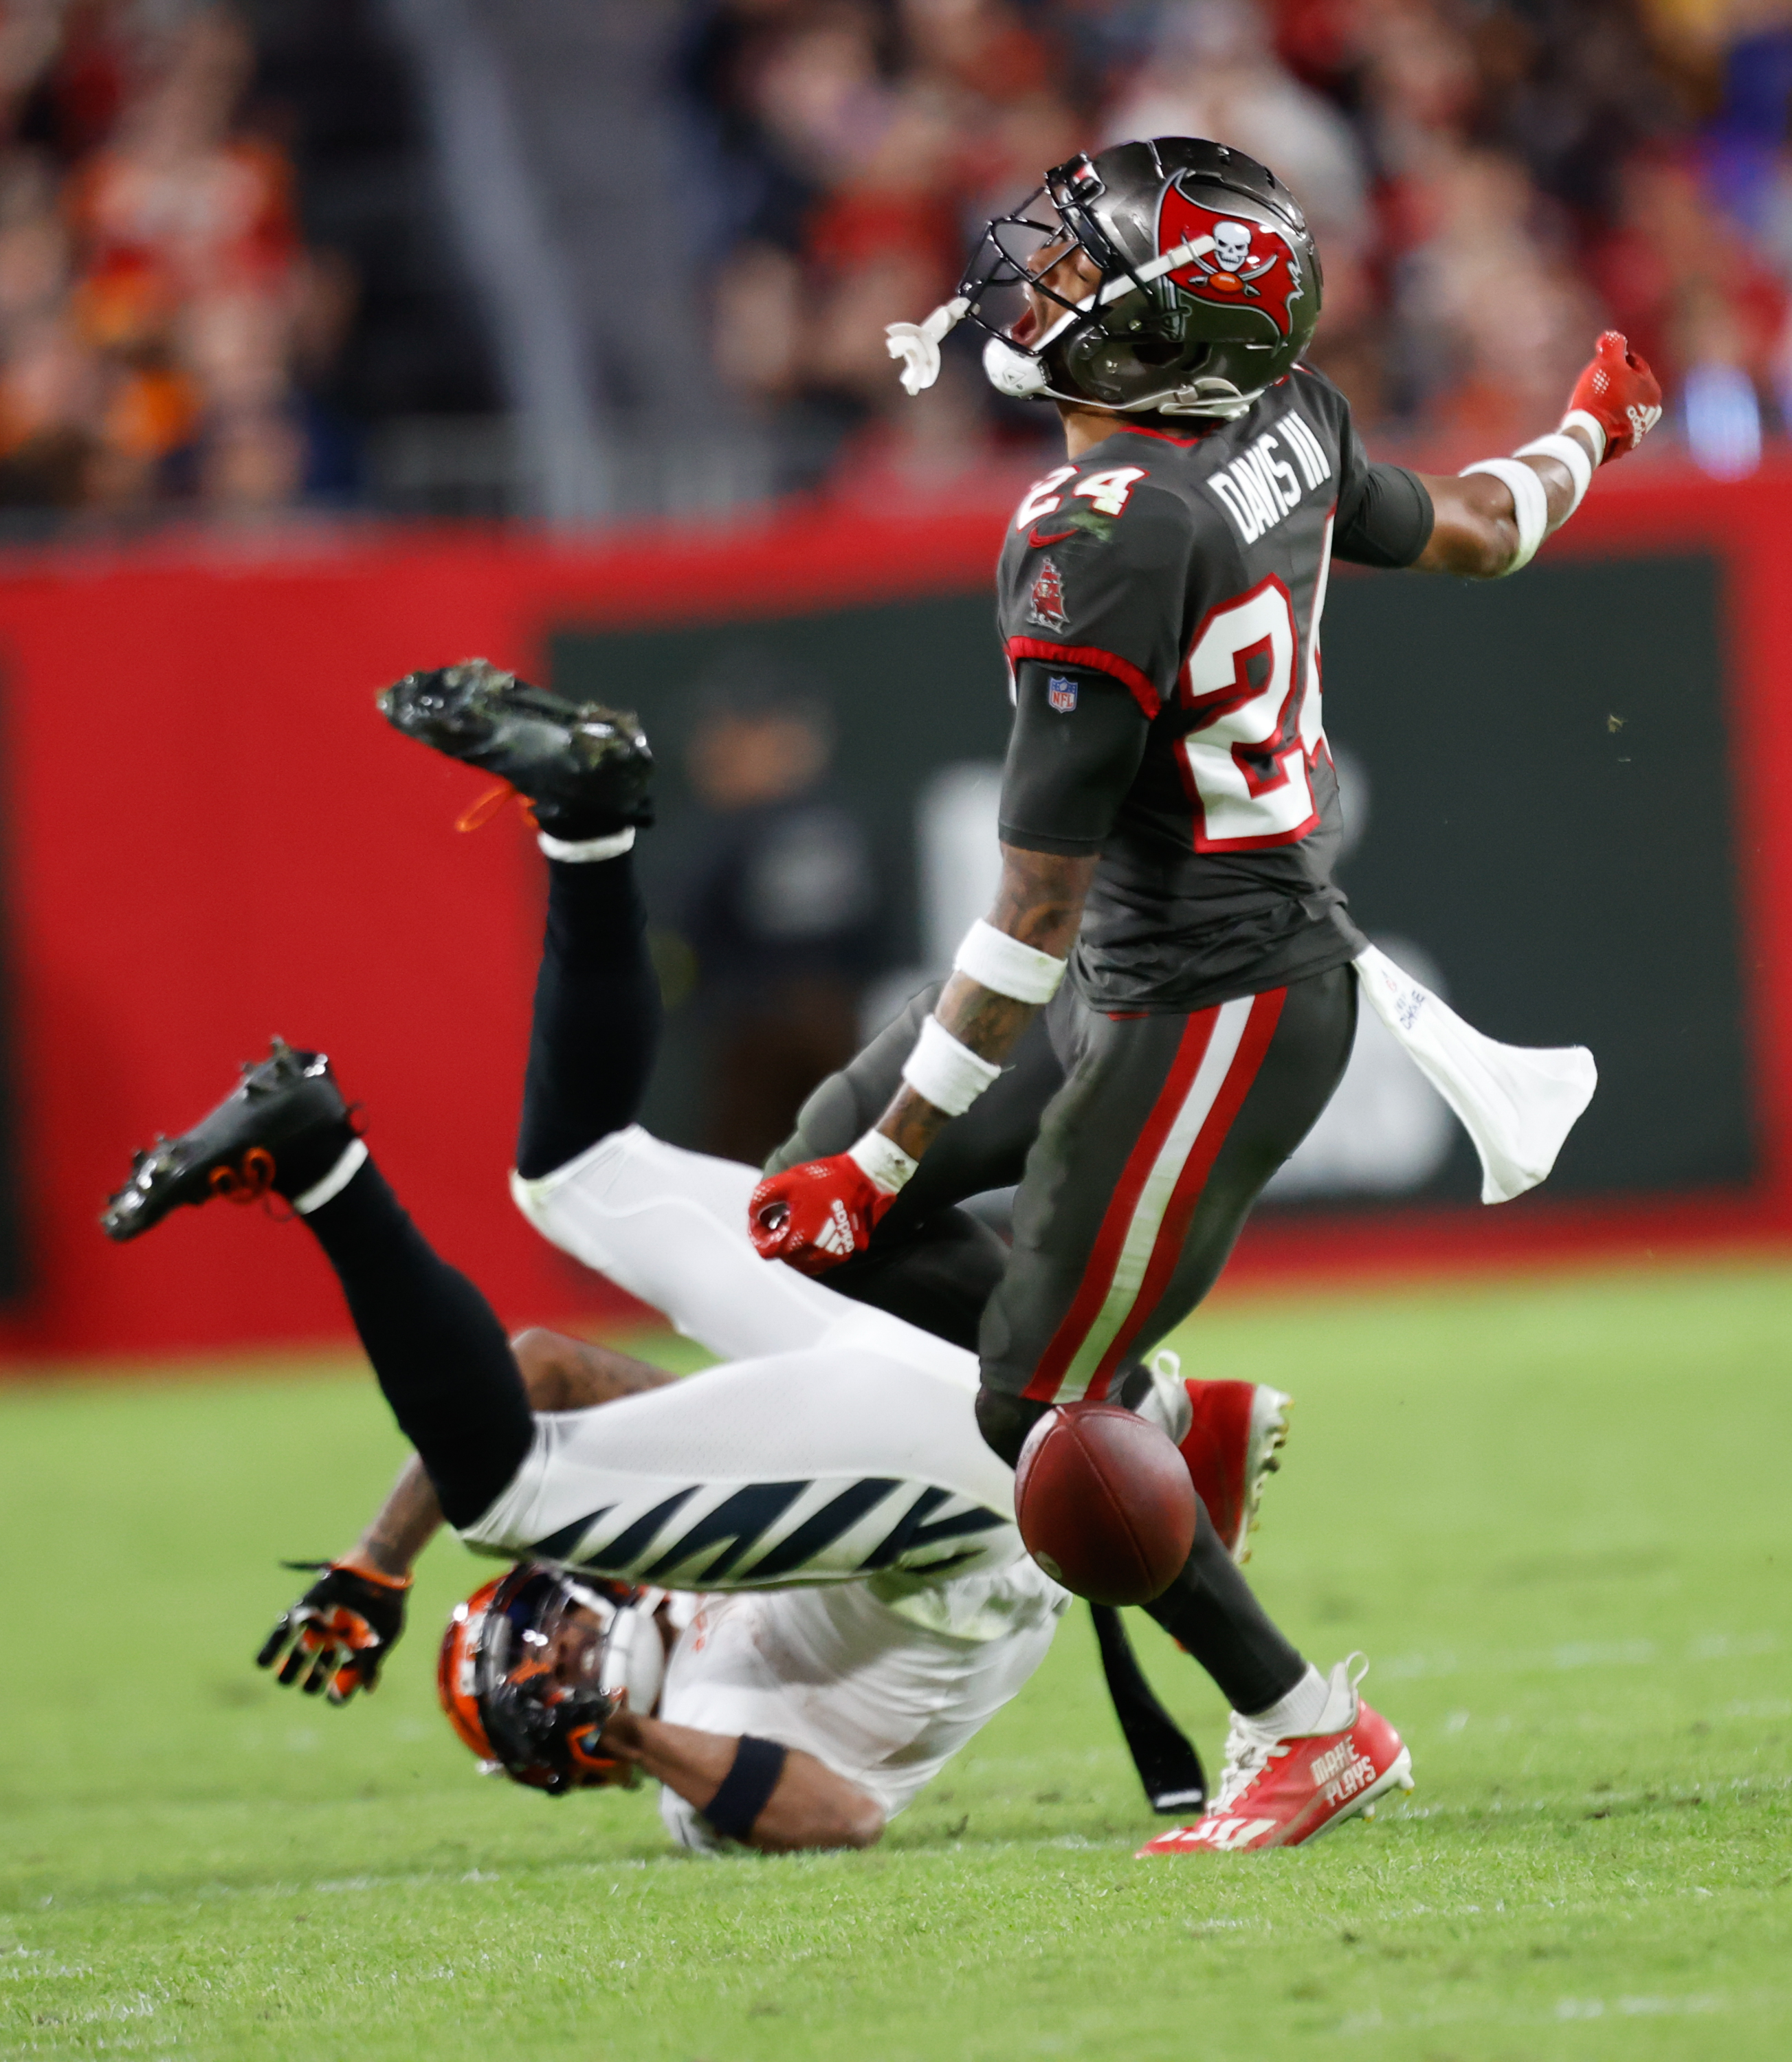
(341, 1629)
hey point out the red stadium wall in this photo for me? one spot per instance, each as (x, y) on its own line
(210, 837)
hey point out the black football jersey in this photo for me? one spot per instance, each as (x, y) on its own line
(1192, 571)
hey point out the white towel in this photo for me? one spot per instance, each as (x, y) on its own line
(1517, 1102)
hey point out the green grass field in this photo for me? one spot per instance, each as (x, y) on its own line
(1556, 1517)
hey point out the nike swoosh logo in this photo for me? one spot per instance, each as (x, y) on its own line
(1057, 537)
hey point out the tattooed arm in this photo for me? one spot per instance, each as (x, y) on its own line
(1040, 904)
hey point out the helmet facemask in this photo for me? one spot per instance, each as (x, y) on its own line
(535, 1665)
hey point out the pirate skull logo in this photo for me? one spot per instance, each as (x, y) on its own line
(1213, 260)
(1232, 245)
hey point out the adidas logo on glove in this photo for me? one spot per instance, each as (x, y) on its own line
(836, 1236)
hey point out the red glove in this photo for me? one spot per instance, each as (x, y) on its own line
(1620, 393)
(813, 1216)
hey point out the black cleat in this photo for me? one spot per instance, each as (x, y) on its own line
(288, 1105)
(585, 767)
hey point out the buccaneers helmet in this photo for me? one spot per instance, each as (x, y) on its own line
(1209, 284)
(534, 1666)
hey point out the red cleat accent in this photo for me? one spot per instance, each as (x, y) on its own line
(1281, 1792)
(1234, 1440)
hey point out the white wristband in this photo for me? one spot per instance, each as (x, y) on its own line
(1530, 504)
(1579, 419)
(576, 851)
(949, 1074)
(885, 1164)
(1572, 454)
(1006, 967)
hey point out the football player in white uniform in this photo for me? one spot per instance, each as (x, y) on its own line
(838, 1451)
(863, 1687)
(865, 1603)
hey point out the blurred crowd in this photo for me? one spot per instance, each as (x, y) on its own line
(159, 314)
(1491, 182)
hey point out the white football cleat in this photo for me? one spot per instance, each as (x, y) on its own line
(1282, 1791)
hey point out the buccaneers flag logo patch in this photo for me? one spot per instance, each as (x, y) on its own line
(1231, 262)
(1045, 603)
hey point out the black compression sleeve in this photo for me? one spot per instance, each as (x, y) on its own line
(437, 1347)
(1386, 520)
(1077, 743)
(596, 1027)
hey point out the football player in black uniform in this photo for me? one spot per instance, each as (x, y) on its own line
(1169, 814)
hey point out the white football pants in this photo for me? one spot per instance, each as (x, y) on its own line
(843, 1444)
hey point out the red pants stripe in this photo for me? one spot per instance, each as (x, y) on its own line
(1147, 1220)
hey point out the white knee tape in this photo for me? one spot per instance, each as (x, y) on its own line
(1006, 967)
(1530, 502)
(948, 1074)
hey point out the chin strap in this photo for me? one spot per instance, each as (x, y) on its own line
(917, 344)
(1216, 398)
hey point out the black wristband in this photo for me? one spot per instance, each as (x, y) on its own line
(747, 1788)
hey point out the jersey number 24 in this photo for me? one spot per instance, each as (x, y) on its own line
(1256, 726)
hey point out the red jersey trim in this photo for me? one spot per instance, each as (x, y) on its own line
(1097, 661)
(1163, 436)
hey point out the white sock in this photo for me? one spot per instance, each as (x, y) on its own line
(353, 1158)
(1300, 1711)
(576, 852)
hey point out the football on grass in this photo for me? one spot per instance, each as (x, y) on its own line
(1104, 1502)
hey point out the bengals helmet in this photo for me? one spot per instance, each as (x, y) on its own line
(1209, 285)
(534, 1666)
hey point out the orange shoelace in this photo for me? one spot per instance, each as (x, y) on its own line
(248, 1180)
(477, 815)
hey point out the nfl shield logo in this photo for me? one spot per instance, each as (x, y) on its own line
(1061, 694)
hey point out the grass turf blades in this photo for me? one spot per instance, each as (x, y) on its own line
(1554, 1516)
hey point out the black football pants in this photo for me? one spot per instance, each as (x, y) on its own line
(1139, 1143)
